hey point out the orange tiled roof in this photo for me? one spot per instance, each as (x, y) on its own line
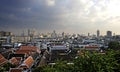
(18, 58)
(23, 52)
(27, 49)
(91, 47)
(15, 70)
(2, 60)
(33, 48)
(27, 63)
(14, 61)
(1, 56)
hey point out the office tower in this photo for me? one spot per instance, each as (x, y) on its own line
(109, 33)
(29, 32)
(98, 33)
(54, 35)
(88, 34)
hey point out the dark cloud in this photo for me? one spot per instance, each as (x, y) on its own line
(24, 14)
(62, 15)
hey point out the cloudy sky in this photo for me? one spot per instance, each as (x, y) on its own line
(70, 16)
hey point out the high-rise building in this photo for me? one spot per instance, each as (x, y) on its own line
(32, 32)
(54, 35)
(63, 34)
(88, 34)
(98, 33)
(29, 32)
(109, 33)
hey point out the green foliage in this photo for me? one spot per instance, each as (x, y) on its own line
(60, 66)
(88, 62)
(115, 45)
(117, 58)
(44, 69)
(2, 69)
(95, 62)
(6, 67)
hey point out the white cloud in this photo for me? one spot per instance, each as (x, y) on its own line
(50, 2)
(76, 15)
(93, 13)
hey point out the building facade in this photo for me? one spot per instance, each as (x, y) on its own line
(109, 33)
(98, 33)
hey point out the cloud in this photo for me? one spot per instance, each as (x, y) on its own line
(79, 16)
(50, 2)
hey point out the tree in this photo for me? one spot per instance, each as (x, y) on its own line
(6, 67)
(96, 62)
(115, 45)
(88, 62)
(2, 69)
(60, 66)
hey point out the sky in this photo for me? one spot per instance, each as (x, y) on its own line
(70, 16)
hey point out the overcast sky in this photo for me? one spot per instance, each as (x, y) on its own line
(70, 16)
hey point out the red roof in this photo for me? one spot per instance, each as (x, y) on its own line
(91, 47)
(15, 70)
(14, 61)
(18, 58)
(33, 48)
(2, 60)
(23, 52)
(27, 50)
(1, 56)
(27, 63)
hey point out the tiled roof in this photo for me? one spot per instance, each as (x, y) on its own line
(14, 61)
(1, 56)
(30, 48)
(15, 70)
(2, 60)
(91, 47)
(33, 48)
(18, 58)
(23, 52)
(27, 63)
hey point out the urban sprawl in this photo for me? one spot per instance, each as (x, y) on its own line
(28, 51)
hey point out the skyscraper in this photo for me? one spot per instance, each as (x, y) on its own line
(109, 33)
(54, 35)
(98, 33)
(63, 34)
(29, 32)
(88, 34)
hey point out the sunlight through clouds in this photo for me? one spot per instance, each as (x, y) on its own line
(80, 16)
(113, 8)
(50, 2)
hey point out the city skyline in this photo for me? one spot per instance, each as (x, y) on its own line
(70, 16)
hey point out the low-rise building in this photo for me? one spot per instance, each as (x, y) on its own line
(3, 61)
(27, 64)
(16, 39)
